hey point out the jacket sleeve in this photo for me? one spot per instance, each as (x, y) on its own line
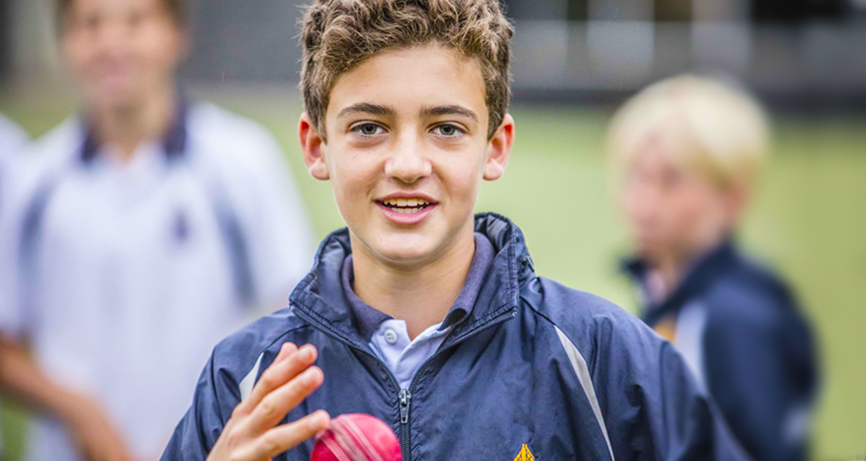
(762, 376)
(215, 397)
(653, 406)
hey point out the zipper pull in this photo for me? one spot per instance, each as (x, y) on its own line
(405, 400)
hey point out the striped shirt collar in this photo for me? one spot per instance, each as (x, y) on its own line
(174, 140)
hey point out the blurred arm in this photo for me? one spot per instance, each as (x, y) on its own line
(21, 378)
(766, 406)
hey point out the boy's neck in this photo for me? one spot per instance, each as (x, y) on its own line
(670, 269)
(419, 296)
(126, 128)
(667, 271)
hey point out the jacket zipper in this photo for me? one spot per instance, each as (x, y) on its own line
(405, 401)
(405, 395)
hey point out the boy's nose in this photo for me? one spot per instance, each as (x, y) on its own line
(110, 41)
(408, 164)
(642, 203)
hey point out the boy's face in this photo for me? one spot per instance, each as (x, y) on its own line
(121, 52)
(406, 150)
(674, 212)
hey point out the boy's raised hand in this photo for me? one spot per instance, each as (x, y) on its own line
(251, 433)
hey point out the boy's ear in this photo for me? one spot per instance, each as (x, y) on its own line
(499, 149)
(311, 145)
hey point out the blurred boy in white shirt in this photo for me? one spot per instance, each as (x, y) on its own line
(140, 233)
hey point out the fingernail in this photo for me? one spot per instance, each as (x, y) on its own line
(310, 376)
(306, 352)
(320, 418)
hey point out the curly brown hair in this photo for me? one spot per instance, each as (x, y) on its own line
(338, 35)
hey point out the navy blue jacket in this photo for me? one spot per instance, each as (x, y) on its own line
(536, 363)
(755, 350)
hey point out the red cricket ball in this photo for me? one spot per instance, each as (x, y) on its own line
(357, 437)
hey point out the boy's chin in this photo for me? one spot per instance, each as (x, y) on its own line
(117, 99)
(408, 248)
(404, 250)
(405, 254)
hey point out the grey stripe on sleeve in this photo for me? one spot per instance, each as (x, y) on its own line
(582, 372)
(246, 384)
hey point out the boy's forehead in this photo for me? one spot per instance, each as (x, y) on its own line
(411, 79)
(109, 6)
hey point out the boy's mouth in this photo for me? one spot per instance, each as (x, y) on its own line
(404, 210)
(405, 205)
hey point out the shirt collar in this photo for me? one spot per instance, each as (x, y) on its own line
(704, 270)
(174, 140)
(368, 319)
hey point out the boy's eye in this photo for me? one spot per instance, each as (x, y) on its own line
(671, 179)
(135, 19)
(447, 130)
(90, 22)
(368, 129)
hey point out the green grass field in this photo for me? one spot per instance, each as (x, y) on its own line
(809, 221)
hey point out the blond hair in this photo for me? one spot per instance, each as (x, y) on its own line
(705, 126)
(338, 35)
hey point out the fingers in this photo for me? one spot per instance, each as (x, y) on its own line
(250, 434)
(288, 436)
(274, 406)
(285, 351)
(289, 362)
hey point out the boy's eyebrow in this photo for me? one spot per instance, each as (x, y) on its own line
(449, 110)
(366, 108)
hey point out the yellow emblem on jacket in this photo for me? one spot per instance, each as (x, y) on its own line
(525, 454)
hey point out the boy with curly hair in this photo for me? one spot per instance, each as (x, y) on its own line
(420, 313)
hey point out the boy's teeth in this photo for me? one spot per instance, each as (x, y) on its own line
(406, 202)
(407, 210)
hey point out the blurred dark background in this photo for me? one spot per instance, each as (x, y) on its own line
(795, 53)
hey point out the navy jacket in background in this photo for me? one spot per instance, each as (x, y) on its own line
(534, 363)
(753, 349)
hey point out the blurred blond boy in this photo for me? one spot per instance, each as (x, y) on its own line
(688, 153)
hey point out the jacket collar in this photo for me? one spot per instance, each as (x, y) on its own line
(320, 297)
(702, 273)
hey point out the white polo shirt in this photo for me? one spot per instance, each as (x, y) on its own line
(12, 136)
(12, 140)
(128, 274)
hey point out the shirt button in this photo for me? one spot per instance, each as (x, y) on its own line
(390, 336)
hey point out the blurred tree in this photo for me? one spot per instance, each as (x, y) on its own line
(577, 10)
(799, 11)
(673, 10)
(5, 39)
(535, 10)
